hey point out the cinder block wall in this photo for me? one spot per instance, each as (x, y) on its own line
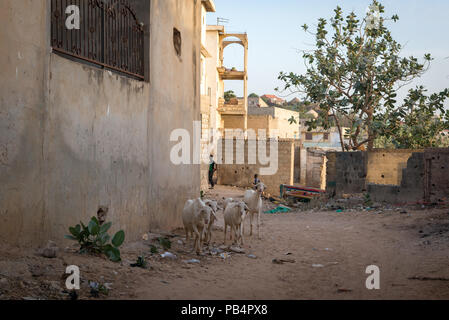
(395, 176)
(351, 172)
(385, 166)
(346, 172)
(242, 175)
(437, 165)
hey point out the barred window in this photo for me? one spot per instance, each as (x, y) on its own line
(106, 33)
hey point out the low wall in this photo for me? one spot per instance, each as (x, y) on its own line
(425, 179)
(242, 175)
(385, 166)
(351, 172)
(346, 172)
(395, 176)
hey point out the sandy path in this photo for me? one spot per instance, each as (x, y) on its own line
(401, 245)
(345, 243)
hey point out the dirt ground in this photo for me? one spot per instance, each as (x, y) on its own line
(329, 252)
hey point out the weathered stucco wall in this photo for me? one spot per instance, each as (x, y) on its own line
(242, 175)
(73, 137)
(316, 169)
(24, 59)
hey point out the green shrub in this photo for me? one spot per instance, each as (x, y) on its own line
(94, 238)
(165, 243)
(141, 263)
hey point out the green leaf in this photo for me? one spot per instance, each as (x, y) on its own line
(70, 237)
(113, 254)
(84, 227)
(118, 239)
(104, 228)
(93, 227)
(75, 231)
(104, 238)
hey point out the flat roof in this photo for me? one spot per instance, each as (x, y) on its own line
(215, 28)
(209, 5)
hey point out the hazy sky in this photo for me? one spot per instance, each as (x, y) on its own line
(275, 35)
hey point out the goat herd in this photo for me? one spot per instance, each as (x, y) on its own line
(200, 215)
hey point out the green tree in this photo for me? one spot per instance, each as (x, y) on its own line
(228, 95)
(418, 123)
(253, 95)
(354, 72)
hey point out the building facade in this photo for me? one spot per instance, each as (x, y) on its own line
(216, 114)
(86, 115)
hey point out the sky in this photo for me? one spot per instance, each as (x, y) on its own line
(275, 36)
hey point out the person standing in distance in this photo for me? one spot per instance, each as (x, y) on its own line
(212, 169)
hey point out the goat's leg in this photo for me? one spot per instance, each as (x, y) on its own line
(197, 239)
(258, 223)
(202, 235)
(209, 236)
(225, 227)
(241, 233)
(251, 224)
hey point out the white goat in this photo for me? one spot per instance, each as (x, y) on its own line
(234, 215)
(214, 206)
(228, 201)
(253, 199)
(195, 216)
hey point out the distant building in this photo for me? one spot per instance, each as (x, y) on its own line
(256, 102)
(273, 99)
(294, 102)
(274, 120)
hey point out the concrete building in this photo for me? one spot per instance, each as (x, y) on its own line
(207, 100)
(274, 120)
(272, 99)
(256, 102)
(82, 126)
(217, 115)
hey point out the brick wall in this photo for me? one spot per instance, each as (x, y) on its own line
(346, 172)
(385, 166)
(395, 176)
(437, 182)
(242, 175)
